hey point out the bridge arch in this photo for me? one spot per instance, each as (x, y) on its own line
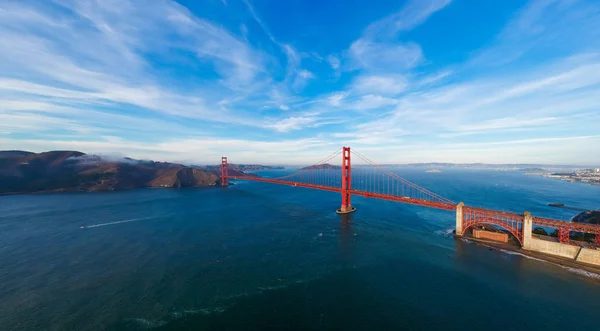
(513, 231)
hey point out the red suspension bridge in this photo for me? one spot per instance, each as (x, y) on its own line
(372, 181)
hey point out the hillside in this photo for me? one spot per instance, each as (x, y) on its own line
(67, 171)
(324, 166)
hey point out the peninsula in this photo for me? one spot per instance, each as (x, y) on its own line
(73, 171)
(588, 176)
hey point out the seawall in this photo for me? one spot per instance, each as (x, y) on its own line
(524, 235)
(575, 253)
(589, 256)
(553, 248)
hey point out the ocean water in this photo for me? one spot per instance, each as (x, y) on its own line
(257, 256)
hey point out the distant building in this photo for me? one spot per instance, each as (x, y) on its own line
(597, 170)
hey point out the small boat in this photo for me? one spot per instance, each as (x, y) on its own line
(557, 204)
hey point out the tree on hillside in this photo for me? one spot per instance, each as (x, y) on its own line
(541, 231)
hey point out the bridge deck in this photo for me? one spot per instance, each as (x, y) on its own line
(551, 223)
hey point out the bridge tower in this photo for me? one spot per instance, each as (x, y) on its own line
(224, 171)
(346, 183)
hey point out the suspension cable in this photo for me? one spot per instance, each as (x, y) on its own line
(389, 173)
(327, 159)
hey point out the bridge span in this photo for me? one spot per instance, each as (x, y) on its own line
(374, 181)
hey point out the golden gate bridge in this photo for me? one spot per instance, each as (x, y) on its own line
(374, 181)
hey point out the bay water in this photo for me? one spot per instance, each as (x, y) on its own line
(257, 256)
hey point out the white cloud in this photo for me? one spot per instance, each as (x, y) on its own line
(560, 96)
(434, 78)
(259, 21)
(301, 79)
(371, 101)
(292, 123)
(501, 124)
(87, 55)
(379, 50)
(334, 62)
(336, 99)
(366, 139)
(381, 84)
(23, 123)
(542, 29)
(577, 150)
(45, 118)
(76, 56)
(306, 74)
(414, 13)
(384, 57)
(131, 74)
(193, 150)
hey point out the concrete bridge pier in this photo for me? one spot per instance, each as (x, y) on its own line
(527, 230)
(459, 219)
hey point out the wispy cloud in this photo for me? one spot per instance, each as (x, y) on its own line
(196, 150)
(382, 57)
(382, 84)
(334, 61)
(84, 57)
(543, 29)
(547, 100)
(553, 100)
(93, 57)
(154, 78)
(378, 49)
(414, 13)
(259, 21)
(578, 150)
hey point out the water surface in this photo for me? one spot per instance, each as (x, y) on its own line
(257, 256)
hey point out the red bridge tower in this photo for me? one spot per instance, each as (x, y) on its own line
(224, 171)
(346, 184)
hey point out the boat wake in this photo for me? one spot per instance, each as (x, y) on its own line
(118, 222)
(224, 304)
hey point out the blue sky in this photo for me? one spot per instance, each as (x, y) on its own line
(272, 81)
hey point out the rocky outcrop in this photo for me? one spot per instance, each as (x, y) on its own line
(588, 216)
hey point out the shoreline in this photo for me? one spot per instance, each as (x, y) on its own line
(562, 179)
(560, 261)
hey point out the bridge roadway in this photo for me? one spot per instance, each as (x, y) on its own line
(484, 213)
(409, 200)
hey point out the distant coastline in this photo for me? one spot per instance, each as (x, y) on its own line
(586, 176)
(24, 172)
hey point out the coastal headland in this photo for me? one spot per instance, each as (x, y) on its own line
(72, 171)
